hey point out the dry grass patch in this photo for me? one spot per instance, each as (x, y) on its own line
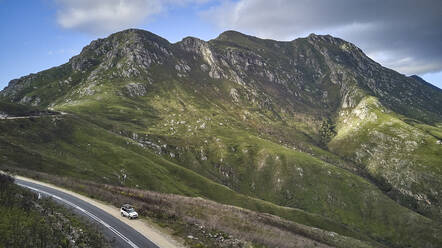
(205, 223)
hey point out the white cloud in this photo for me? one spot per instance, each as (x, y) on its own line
(404, 36)
(107, 16)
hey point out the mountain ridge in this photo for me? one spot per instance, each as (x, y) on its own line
(313, 39)
(312, 124)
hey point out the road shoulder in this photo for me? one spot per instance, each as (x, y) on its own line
(149, 230)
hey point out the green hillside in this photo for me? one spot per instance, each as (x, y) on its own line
(27, 221)
(311, 130)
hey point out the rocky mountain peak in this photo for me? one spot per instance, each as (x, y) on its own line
(132, 50)
(191, 44)
(231, 34)
(139, 35)
(310, 70)
(234, 38)
(330, 43)
(326, 37)
(311, 123)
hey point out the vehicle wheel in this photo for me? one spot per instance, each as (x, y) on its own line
(122, 214)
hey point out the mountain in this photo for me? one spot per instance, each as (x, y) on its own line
(311, 130)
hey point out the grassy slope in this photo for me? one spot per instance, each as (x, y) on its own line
(206, 219)
(267, 170)
(30, 222)
(405, 157)
(243, 145)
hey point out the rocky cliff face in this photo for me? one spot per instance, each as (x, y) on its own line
(322, 71)
(311, 123)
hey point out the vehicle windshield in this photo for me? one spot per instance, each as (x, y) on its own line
(130, 210)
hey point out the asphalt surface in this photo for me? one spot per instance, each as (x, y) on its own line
(121, 234)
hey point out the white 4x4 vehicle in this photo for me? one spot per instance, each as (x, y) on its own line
(128, 211)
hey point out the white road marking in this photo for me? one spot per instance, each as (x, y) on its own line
(85, 212)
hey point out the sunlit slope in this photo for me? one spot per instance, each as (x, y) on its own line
(311, 130)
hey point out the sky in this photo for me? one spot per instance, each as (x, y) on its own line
(404, 35)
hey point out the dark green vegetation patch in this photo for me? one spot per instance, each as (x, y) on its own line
(27, 221)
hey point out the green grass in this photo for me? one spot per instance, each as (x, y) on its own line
(30, 222)
(327, 194)
(405, 157)
(236, 157)
(261, 149)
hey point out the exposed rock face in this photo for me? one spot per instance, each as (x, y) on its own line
(135, 89)
(379, 124)
(17, 85)
(202, 49)
(322, 71)
(131, 53)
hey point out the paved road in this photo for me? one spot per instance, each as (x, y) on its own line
(21, 117)
(125, 236)
(6, 117)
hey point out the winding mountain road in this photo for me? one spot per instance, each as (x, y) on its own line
(113, 227)
(4, 116)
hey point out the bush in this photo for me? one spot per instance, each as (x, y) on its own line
(27, 221)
